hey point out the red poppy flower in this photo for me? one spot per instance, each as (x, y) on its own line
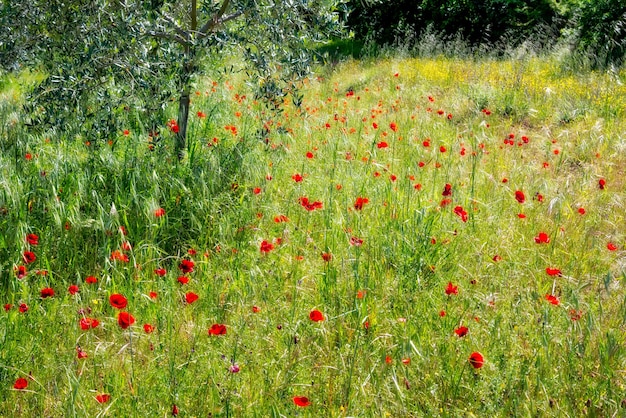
(7, 307)
(124, 320)
(519, 196)
(217, 329)
(327, 256)
(256, 190)
(256, 309)
(442, 313)
(460, 213)
(310, 206)
(183, 280)
(103, 398)
(316, 315)
(309, 155)
(117, 255)
(357, 242)
(281, 218)
(297, 177)
(447, 190)
(552, 299)
(29, 257)
(190, 297)
(461, 331)
(542, 238)
(160, 272)
(442, 149)
(452, 289)
(118, 301)
(159, 212)
(301, 401)
(174, 410)
(91, 280)
(153, 295)
(86, 323)
(148, 328)
(601, 184)
(23, 308)
(382, 144)
(553, 271)
(582, 211)
(80, 354)
(21, 272)
(575, 315)
(611, 247)
(266, 247)
(186, 266)
(521, 216)
(393, 126)
(20, 384)
(47, 292)
(360, 201)
(476, 360)
(32, 239)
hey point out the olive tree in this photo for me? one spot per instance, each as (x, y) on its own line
(97, 56)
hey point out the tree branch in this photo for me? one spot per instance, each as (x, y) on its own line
(230, 17)
(194, 15)
(180, 31)
(169, 37)
(217, 19)
(213, 24)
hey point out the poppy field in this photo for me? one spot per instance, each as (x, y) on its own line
(412, 237)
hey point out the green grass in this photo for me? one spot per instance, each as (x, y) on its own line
(383, 348)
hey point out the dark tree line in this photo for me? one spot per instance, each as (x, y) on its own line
(595, 29)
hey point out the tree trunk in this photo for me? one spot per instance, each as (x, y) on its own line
(183, 117)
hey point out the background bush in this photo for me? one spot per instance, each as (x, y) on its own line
(487, 22)
(601, 32)
(594, 30)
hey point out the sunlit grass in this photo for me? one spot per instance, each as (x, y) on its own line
(394, 132)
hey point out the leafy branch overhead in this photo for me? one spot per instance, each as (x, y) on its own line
(104, 57)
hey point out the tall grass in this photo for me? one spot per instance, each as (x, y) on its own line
(378, 271)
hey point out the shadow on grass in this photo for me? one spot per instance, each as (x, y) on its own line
(340, 49)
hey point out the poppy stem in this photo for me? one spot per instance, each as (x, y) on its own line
(458, 382)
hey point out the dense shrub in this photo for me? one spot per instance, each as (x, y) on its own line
(596, 30)
(601, 31)
(488, 22)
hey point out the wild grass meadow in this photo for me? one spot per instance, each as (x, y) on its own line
(417, 237)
